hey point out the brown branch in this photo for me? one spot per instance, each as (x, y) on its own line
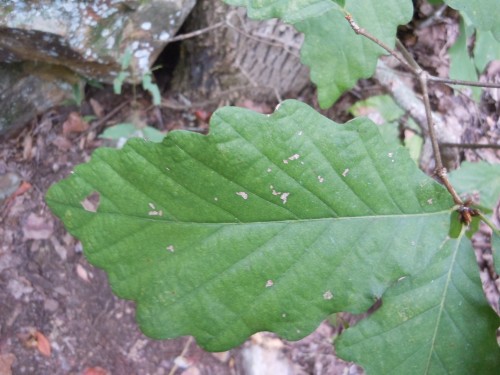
(422, 76)
(98, 123)
(360, 31)
(470, 145)
(196, 33)
(464, 83)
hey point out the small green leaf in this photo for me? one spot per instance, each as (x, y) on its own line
(480, 177)
(336, 55)
(486, 49)
(152, 134)
(462, 65)
(126, 59)
(123, 130)
(382, 104)
(149, 85)
(269, 223)
(495, 248)
(414, 146)
(484, 14)
(118, 82)
(436, 322)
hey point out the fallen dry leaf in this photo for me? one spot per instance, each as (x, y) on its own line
(74, 124)
(82, 273)
(222, 356)
(95, 371)
(32, 338)
(97, 108)
(28, 147)
(254, 106)
(192, 371)
(6, 362)
(38, 227)
(62, 143)
(202, 115)
(43, 344)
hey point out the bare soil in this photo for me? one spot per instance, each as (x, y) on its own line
(51, 298)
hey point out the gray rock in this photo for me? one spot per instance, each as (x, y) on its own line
(28, 89)
(90, 38)
(46, 45)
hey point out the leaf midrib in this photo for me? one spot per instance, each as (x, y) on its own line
(441, 306)
(159, 219)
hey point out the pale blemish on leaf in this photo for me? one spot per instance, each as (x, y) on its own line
(170, 248)
(429, 201)
(321, 179)
(291, 158)
(284, 197)
(91, 202)
(274, 192)
(269, 283)
(327, 295)
(346, 171)
(155, 213)
(242, 194)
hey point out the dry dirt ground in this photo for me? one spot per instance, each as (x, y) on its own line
(57, 313)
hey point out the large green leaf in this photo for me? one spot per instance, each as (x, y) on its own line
(337, 57)
(268, 223)
(436, 322)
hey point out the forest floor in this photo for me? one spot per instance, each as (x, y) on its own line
(57, 312)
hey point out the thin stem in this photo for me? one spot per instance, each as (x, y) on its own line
(183, 353)
(360, 31)
(196, 33)
(422, 76)
(464, 83)
(430, 124)
(441, 173)
(470, 145)
(110, 115)
(407, 55)
(489, 223)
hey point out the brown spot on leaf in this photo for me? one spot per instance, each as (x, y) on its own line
(91, 203)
